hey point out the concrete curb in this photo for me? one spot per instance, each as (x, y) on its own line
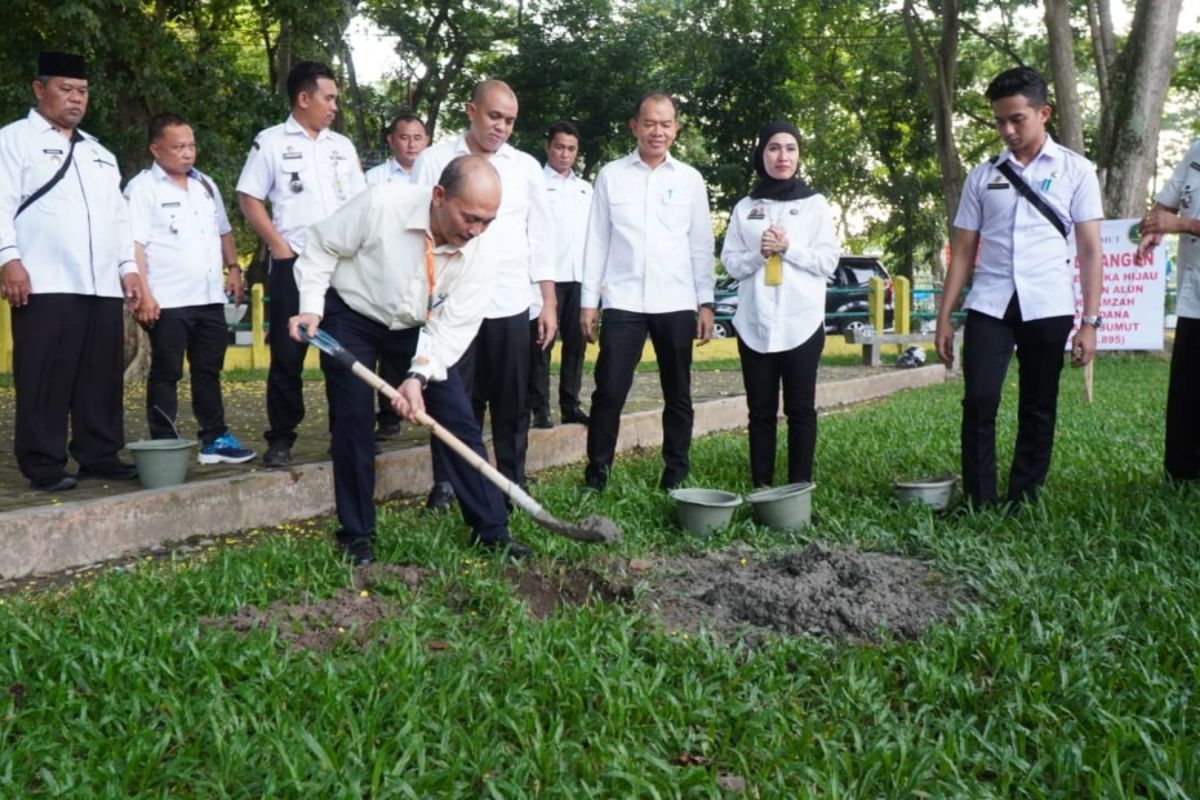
(50, 538)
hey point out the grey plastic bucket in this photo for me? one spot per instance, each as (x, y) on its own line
(161, 462)
(783, 508)
(935, 492)
(703, 511)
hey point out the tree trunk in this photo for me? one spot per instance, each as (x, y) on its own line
(939, 88)
(1062, 64)
(356, 101)
(1138, 93)
(1104, 53)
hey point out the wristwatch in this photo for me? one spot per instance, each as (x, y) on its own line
(418, 377)
(1096, 322)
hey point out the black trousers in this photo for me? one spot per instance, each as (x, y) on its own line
(391, 371)
(538, 394)
(762, 375)
(495, 372)
(198, 331)
(353, 447)
(987, 350)
(622, 337)
(1182, 459)
(285, 387)
(68, 363)
(570, 371)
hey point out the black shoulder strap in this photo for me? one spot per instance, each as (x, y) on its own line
(1033, 197)
(58, 176)
(207, 186)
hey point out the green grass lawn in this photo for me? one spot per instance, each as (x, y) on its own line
(1069, 674)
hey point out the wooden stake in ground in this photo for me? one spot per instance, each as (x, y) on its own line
(1088, 372)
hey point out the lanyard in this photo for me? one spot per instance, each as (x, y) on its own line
(429, 274)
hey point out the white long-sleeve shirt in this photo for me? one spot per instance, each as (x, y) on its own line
(180, 230)
(75, 239)
(570, 199)
(650, 240)
(520, 241)
(372, 251)
(773, 319)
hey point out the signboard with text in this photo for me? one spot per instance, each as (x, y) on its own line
(1134, 290)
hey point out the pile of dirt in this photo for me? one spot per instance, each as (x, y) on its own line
(840, 594)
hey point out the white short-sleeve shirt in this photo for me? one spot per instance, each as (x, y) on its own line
(1182, 192)
(304, 179)
(180, 230)
(1020, 250)
(388, 171)
(570, 199)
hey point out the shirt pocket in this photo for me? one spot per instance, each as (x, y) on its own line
(293, 172)
(626, 213)
(675, 211)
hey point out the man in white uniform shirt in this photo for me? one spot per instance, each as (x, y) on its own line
(495, 369)
(1023, 294)
(407, 139)
(306, 171)
(1177, 210)
(66, 258)
(400, 271)
(570, 198)
(182, 237)
(650, 250)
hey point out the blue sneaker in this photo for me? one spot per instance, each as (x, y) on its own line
(225, 449)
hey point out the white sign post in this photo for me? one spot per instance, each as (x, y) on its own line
(1134, 290)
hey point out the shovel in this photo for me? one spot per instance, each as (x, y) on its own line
(593, 529)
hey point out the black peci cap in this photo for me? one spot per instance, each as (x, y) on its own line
(61, 65)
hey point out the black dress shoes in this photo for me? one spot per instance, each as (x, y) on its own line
(542, 420)
(595, 479)
(111, 471)
(60, 483)
(278, 455)
(441, 497)
(358, 552)
(387, 430)
(574, 415)
(507, 546)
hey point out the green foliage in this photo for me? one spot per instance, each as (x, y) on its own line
(1068, 672)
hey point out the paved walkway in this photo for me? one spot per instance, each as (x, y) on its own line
(246, 417)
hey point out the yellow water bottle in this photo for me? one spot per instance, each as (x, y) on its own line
(774, 273)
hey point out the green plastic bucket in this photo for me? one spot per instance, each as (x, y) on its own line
(703, 511)
(783, 508)
(162, 462)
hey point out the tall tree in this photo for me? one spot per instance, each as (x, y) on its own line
(935, 55)
(1132, 117)
(1061, 38)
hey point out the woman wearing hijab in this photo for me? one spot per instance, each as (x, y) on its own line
(782, 248)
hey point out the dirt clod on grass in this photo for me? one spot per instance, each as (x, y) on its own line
(839, 594)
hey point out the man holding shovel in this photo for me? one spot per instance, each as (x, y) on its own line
(398, 272)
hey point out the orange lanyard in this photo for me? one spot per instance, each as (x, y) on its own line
(429, 274)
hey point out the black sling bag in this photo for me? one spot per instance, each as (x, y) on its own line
(1033, 197)
(58, 176)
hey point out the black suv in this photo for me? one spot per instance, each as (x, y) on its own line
(845, 297)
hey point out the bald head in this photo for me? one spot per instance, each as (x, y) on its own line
(465, 200)
(493, 112)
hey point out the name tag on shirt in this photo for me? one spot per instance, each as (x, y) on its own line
(172, 204)
(999, 185)
(52, 152)
(289, 156)
(758, 212)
